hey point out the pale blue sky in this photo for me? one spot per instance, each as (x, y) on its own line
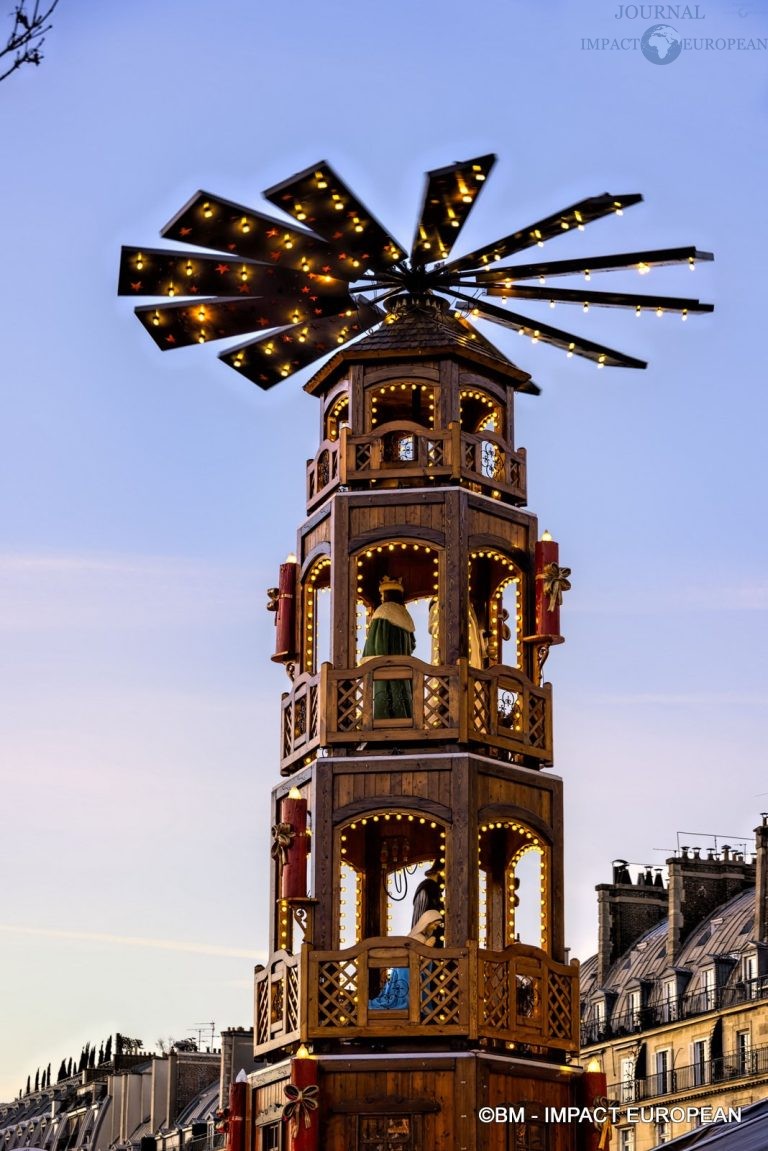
(148, 499)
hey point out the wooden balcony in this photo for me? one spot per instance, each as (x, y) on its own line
(409, 453)
(518, 995)
(276, 1001)
(300, 720)
(322, 473)
(496, 707)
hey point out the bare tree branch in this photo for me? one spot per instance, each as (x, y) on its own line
(27, 36)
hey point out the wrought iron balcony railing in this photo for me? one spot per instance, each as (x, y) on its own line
(673, 1010)
(705, 1073)
(519, 995)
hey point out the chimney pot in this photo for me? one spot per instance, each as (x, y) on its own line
(726, 852)
(697, 853)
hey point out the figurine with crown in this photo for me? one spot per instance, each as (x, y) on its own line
(391, 632)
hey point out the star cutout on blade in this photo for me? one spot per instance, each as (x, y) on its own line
(323, 287)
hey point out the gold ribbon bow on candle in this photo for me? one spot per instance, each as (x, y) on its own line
(302, 1101)
(605, 1126)
(555, 583)
(282, 837)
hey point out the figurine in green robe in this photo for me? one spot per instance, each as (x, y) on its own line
(391, 633)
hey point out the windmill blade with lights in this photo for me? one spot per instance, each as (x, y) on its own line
(302, 292)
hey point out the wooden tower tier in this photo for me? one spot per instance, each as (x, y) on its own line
(417, 969)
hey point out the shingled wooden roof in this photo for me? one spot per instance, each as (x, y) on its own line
(424, 332)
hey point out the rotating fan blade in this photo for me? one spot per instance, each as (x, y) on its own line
(573, 344)
(321, 200)
(158, 272)
(272, 358)
(600, 299)
(207, 221)
(449, 196)
(577, 216)
(182, 323)
(640, 261)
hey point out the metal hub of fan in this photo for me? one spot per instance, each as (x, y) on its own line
(302, 292)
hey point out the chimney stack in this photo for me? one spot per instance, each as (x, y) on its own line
(761, 880)
(697, 886)
(625, 910)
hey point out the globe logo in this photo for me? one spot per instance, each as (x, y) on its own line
(661, 44)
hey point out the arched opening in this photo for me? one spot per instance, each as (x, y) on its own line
(480, 412)
(495, 609)
(417, 568)
(403, 401)
(527, 892)
(317, 615)
(512, 886)
(391, 870)
(337, 417)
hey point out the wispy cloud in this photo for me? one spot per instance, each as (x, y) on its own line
(59, 590)
(188, 947)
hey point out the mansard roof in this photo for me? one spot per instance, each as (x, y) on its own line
(722, 937)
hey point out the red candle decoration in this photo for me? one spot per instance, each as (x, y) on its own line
(302, 1108)
(236, 1117)
(293, 877)
(594, 1090)
(285, 619)
(551, 582)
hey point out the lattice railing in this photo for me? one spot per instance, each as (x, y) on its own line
(519, 995)
(276, 1002)
(404, 450)
(341, 984)
(498, 706)
(488, 460)
(526, 997)
(300, 726)
(323, 473)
